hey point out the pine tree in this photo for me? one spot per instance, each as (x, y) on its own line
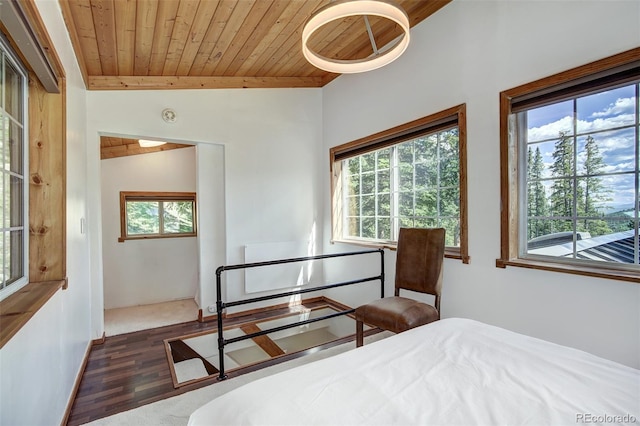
(562, 190)
(593, 190)
(536, 195)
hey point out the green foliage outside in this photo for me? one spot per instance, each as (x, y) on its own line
(178, 217)
(143, 217)
(416, 182)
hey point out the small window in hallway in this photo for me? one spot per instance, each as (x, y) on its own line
(157, 215)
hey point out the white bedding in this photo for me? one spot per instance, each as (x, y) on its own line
(453, 371)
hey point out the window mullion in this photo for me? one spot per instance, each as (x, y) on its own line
(161, 217)
(413, 189)
(375, 195)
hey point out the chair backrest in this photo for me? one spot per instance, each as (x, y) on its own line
(419, 261)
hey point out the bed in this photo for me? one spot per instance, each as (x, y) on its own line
(453, 371)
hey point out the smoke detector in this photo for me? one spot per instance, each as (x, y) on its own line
(169, 115)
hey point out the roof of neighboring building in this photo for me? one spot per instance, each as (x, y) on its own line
(617, 247)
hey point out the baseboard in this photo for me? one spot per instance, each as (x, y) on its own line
(99, 341)
(76, 384)
(202, 318)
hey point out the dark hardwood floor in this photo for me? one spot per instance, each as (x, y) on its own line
(131, 370)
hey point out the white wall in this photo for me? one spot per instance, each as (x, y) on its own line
(468, 52)
(272, 177)
(39, 364)
(211, 224)
(141, 272)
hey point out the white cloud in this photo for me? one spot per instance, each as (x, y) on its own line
(620, 167)
(565, 124)
(551, 130)
(621, 105)
(605, 123)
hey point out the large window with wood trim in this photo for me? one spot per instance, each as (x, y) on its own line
(14, 238)
(571, 156)
(157, 215)
(412, 176)
(44, 172)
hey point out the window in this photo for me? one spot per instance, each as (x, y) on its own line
(413, 175)
(574, 143)
(157, 215)
(14, 240)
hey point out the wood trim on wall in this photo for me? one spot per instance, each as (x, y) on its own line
(17, 309)
(47, 183)
(101, 340)
(40, 30)
(78, 380)
(47, 192)
(188, 82)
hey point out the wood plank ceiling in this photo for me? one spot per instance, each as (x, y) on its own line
(186, 44)
(112, 147)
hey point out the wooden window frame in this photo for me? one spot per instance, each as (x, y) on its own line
(47, 191)
(509, 167)
(394, 136)
(127, 196)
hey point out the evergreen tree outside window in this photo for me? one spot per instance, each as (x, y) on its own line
(410, 176)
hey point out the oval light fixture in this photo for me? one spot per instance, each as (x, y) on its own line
(344, 8)
(149, 144)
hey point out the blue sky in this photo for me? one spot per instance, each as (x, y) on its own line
(612, 115)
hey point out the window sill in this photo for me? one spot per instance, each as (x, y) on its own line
(589, 271)
(17, 309)
(448, 252)
(155, 237)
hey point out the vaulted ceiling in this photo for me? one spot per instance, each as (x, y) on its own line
(186, 44)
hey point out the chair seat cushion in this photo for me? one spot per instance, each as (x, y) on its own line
(396, 314)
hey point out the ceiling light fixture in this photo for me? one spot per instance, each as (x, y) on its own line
(344, 8)
(149, 144)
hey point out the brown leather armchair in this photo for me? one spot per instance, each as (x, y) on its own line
(419, 261)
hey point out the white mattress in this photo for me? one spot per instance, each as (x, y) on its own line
(453, 371)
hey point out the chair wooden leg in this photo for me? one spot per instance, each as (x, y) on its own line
(359, 334)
